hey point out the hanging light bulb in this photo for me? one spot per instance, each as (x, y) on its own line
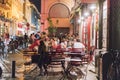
(82, 18)
(93, 7)
(79, 20)
(86, 14)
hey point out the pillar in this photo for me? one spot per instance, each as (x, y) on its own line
(100, 23)
(114, 24)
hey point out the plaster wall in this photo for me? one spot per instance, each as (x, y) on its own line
(45, 7)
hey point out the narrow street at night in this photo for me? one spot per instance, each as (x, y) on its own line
(59, 39)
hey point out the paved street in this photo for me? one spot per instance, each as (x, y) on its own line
(31, 72)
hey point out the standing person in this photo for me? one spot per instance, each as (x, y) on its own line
(0, 72)
(25, 40)
(11, 46)
(92, 53)
(2, 46)
(42, 63)
(6, 42)
(32, 38)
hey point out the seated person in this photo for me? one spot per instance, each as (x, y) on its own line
(78, 46)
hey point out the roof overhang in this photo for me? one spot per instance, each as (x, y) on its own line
(89, 1)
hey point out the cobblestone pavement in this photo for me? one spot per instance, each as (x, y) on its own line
(31, 72)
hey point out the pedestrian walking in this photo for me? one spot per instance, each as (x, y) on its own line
(42, 63)
(0, 72)
(6, 42)
(2, 46)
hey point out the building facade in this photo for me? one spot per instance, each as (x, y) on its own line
(59, 12)
(35, 19)
(16, 17)
(66, 15)
(5, 19)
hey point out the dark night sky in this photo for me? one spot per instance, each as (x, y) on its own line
(37, 4)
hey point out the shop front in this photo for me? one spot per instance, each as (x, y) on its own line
(88, 24)
(22, 28)
(5, 25)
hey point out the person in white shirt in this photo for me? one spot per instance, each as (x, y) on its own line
(78, 44)
(63, 44)
(78, 47)
(6, 42)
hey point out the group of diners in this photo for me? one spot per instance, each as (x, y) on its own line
(54, 45)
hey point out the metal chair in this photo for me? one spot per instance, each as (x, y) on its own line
(55, 65)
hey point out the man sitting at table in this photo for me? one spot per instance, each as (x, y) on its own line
(78, 44)
(78, 50)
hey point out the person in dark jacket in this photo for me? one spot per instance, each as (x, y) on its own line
(42, 63)
(25, 40)
(2, 46)
(0, 72)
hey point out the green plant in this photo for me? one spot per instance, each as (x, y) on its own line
(51, 29)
